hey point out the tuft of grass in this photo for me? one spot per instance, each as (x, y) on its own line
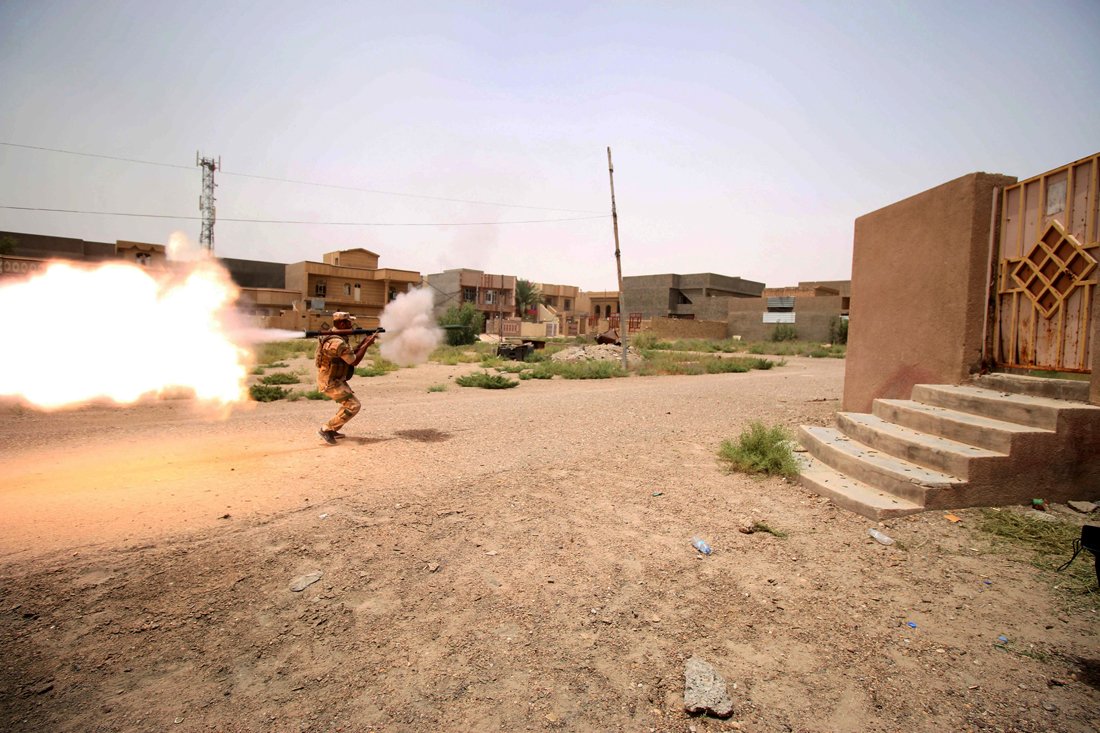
(491, 362)
(765, 527)
(511, 368)
(309, 394)
(438, 388)
(277, 365)
(485, 380)
(280, 350)
(258, 370)
(280, 378)
(267, 393)
(376, 368)
(761, 450)
(468, 354)
(1047, 545)
(584, 369)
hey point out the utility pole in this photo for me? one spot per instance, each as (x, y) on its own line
(206, 200)
(623, 321)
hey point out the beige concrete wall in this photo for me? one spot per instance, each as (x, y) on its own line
(919, 277)
(682, 328)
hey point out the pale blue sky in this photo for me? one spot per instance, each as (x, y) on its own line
(747, 136)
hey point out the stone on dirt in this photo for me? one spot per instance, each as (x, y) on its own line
(705, 691)
(304, 581)
(1085, 507)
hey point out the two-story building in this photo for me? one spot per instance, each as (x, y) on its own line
(493, 295)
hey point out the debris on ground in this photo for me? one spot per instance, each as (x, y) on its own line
(304, 581)
(599, 352)
(705, 691)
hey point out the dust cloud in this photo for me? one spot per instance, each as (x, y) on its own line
(411, 332)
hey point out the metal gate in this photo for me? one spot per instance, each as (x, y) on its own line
(1046, 273)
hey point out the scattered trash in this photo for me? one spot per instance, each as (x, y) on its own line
(324, 516)
(911, 624)
(705, 691)
(433, 567)
(1002, 639)
(178, 720)
(304, 581)
(658, 493)
(952, 518)
(701, 546)
(987, 581)
(1038, 505)
(880, 537)
(224, 516)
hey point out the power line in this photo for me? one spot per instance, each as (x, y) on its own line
(302, 182)
(291, 221)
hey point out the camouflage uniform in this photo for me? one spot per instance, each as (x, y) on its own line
(334, 359)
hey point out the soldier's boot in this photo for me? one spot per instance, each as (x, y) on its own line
(329, 436)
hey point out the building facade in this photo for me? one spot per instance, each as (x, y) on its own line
(493, 295)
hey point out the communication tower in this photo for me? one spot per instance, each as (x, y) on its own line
(206, 200)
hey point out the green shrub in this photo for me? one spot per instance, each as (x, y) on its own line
(510, 368)
(280, 378)
(258, 370)
(376, 368)
(469, 318)
(761, 450)
(311, 394)
(438, 388)
(784, 332)
(491, 362)
(280, 350)
(838, 330)
(267, 393)
(536, 356)
(485, 380)
(581, 369)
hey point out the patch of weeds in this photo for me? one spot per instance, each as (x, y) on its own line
(764, 364)
(586, 369)
(537, 356)
(280, 350)
(765, 527)
(258, 370)
(511, 368)
(1046, 545)
(310, 394)
(280, 378)
(491, 362)
(452, 355)
(818, 353)
(438, 388)
(376, 368)
(485, 380)
(277, 365)
(267, 393)
(761, 450)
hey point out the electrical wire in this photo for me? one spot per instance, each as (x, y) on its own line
(298, 181)
(291, 221)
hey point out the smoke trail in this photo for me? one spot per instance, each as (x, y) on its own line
(411, 333)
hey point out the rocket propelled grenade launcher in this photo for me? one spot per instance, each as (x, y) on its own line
(344, 332)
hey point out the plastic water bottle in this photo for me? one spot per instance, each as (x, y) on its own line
(701, 546)
(880, 537)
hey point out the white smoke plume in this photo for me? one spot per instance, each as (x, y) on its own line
(411, 331)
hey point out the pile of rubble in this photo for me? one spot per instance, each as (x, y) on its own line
(598, 352)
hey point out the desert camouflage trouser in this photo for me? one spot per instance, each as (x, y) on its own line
(349, 406)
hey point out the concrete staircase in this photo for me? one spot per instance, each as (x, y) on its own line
(1001, 439)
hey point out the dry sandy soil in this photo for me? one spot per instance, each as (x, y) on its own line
(498, 560)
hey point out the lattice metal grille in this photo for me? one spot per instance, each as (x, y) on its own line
(1053, 268)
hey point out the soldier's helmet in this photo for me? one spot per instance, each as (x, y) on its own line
(342, 316)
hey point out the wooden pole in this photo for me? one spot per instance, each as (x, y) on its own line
(623, 329)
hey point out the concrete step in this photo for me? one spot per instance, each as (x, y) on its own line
(1039, 412)
(1056, 389)
(965, 427)
(851, 494)
(931, 451)
(859, 461)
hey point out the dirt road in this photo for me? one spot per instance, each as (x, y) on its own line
(497, 560)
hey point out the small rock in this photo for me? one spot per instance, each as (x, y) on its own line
(1049, 706)
(433, 567)
(705, 691)
(304, 581)
(1085, 507)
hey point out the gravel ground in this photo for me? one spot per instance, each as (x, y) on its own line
(498, 560)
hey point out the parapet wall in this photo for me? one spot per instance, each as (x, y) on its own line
(920, 269)
(684, 328)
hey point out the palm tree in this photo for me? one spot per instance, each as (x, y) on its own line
(527, 296)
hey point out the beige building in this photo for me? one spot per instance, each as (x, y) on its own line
(493, 295)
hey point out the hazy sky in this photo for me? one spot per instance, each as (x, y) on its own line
(746, 137)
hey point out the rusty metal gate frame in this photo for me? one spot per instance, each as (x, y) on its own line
(1049, 265)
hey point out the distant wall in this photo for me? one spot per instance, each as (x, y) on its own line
(920, 269)
(255, 273)
(682, 328)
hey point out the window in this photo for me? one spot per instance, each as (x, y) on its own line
(568, 304)
(319, 288)
(393, 293)
(490, 297)
(358, 293)
(469, 295)
(607, 311)
(347, 288)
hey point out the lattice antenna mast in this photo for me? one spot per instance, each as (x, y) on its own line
(206, 200)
